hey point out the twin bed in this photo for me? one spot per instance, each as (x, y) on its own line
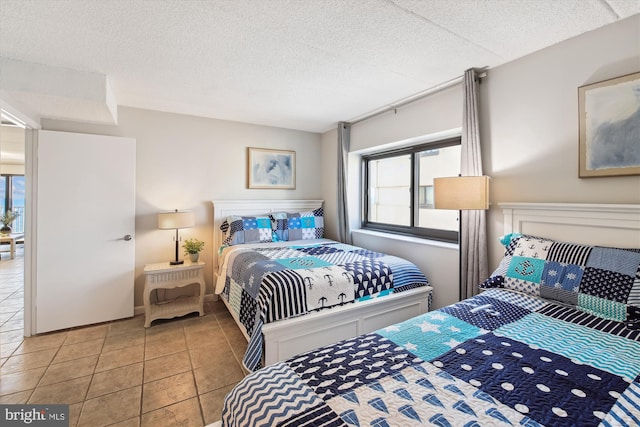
(553, 339)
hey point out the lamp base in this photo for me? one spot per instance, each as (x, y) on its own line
(176, 262)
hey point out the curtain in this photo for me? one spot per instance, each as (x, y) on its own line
(344, 138)
(473, 238)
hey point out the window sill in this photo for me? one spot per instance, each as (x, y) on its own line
(409, 239)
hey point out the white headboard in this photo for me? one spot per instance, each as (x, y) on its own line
(594, 224)
(223, 208)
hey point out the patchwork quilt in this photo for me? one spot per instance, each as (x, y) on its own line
(498, 359)
(269, 282)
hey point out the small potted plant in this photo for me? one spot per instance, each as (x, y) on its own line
(6, 219)
(193, 248)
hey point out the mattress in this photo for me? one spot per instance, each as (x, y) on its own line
(501, 358)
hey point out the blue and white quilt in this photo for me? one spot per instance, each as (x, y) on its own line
(264, 283)
(498, 359)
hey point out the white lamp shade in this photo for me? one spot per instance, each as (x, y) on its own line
(461, 192)
(175, 220)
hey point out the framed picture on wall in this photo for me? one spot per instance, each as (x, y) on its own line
(271, 168)
(609, 131)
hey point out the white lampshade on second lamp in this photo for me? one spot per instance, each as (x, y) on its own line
(174, 221)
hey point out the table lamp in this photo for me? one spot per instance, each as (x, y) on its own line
(176, 220)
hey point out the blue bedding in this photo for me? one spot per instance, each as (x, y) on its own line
(498, 359)
(264, 283)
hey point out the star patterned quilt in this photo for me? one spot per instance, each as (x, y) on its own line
(498, 359)
(267, 282)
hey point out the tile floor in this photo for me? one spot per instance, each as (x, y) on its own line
(176, 372)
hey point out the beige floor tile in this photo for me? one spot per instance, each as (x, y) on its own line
(115, 379)
(166, 366)
(167, 391)
(69, 370)
(117, 358)
(41, 342)
(125, 326)
(76, 351)
(209, 355)
(156, 349)
(74, 413)
(86, 334)
(131, 422)
(204, 337)
(111, 408)
(18, 398)
(165, 333)
(162, 329)
(127, 339)
(24, 362)
(66, 392)
(186, 413)
(20, 381)
(212, 402)
(216, 376)
(200, 323)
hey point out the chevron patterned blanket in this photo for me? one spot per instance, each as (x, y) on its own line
(498, 359)
(264, 283)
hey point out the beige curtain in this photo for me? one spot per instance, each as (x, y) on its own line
(473, 227)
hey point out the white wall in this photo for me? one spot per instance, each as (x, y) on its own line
(529, 126)
(184, 162)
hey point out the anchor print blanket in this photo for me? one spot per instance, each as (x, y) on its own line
(268, 282)
(498, 359)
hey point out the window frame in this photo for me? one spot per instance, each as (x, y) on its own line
(412, 229)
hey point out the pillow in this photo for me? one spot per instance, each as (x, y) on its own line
(594, 279)
(305, 225)
(298, 226)
(279, 226)
(247, 229)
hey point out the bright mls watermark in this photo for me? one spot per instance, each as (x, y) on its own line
(34, 415)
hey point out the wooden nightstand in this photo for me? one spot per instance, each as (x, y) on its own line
(165, 276)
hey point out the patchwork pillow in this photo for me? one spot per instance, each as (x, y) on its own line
(297, 226)
(599, 280)
(279, 226)
(305, 225)
(246, 229)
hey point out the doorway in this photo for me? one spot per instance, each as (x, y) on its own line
(12, 242)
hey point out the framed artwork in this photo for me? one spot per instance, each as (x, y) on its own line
(609, 131)
(271, 168)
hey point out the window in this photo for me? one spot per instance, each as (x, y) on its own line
(12, 197)
(398, 190)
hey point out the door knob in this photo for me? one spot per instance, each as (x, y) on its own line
(127, 237)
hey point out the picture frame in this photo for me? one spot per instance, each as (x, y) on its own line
(271, 169)
(608, 143)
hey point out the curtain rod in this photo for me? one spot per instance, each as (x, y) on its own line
(410, 99)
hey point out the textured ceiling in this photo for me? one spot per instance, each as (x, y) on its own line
(300, 64)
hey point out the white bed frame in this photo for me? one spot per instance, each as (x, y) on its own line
(594, 224)
(289, 337)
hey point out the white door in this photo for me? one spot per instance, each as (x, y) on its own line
(85, 222)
